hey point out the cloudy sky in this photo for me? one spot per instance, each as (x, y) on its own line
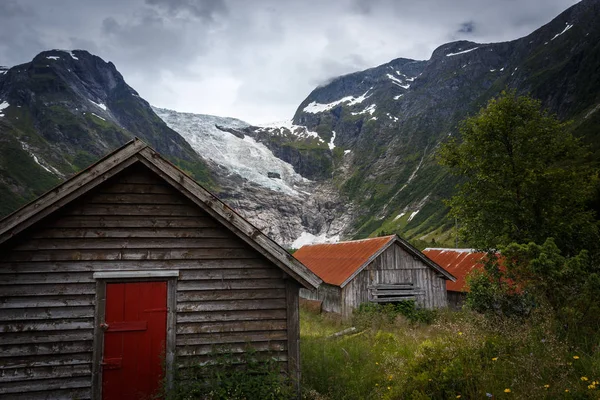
(254, 59)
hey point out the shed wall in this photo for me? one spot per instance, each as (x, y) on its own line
(227, 293)
(330, 295)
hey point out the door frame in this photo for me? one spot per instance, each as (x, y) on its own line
(104, 277)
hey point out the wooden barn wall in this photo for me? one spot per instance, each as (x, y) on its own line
(330, 295)
(456, 299)
(227, 294)
(396, 265)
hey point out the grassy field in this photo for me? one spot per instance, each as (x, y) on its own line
(459, 355)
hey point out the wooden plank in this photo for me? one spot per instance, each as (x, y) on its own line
(129, 221)
(47, 289)
(130, 254)
(231, 295)
(231, 337)
(226, 274)
(231, 348)
(393, 286)
(74, 244)
(46, 301)
(98, 335)
(52, 277)
(46, 337)
(205, 233)
(231, 305)
(46, 361)
(140, 176)
(219, 316)
(231, 285)
(27, 267)
(172, 198)
(148, 210)
(44, 385)
(65, 394)
(393, 299)
(409, 292)
(39, 349)
(229, 218)
(46, 313)
(293, 339)
(71, 189)
(159, 187)
(37, 326)
(61, 371)
(233, 326)
(171, 331)
(199, 360)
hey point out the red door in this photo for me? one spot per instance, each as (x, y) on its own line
(134, 339)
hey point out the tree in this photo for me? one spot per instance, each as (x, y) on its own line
(523, 178)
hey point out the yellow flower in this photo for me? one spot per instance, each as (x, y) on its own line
(390, 377)
(507, 390)
(575, 357)
(495, 359)
(376, 363)
(569, 363)
(430, 379)
(546, 386)
(591, 386)
(377, 384)
(460, 333)
(567, 390)
(389, 388)
(584, 378)
(595, 383)
(458, 396)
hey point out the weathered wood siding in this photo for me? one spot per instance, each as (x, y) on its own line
(227, 293)
(330, 295)
(396, 265)
(456, 299)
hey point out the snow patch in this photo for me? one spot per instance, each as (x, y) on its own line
(347, 152)
(53, 57)
(308, 238)
(569, 26)
(315, 108)
(413, 214)
(371, 109)
(54, 171)
(330, 144)
(461, 52)
(281, 127)
(101, 105)
(399, 216)
(492, 70)
(97, 116)
(397, 97)
(3, 105)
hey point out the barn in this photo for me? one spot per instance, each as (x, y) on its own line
(131, 265)
(382, 270)
(459, 262)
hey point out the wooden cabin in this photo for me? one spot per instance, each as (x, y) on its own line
(460, 263)
(131, 264)
(381, 270)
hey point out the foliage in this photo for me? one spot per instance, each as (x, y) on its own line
(369, 313)
(523, 177)
(460, 354)
(235, 377)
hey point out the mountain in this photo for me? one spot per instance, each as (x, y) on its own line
(64, 110)
(356, 159)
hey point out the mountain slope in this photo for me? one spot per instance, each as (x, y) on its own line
(65, 109)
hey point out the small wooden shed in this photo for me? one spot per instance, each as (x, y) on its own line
(131, 264)
(382, 270)
(459, 262)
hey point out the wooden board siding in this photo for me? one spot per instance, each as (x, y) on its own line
(227, 293)
(330, 295)
(395, 265)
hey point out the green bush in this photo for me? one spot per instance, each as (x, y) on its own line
(369, 314)
(232, 377)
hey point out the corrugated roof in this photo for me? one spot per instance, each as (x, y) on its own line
(459, 262)
(335, 263)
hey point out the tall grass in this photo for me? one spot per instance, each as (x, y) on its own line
(459, 355)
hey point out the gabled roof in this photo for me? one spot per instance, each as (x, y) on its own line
(459, 262)
(136, 151)
(338, 263)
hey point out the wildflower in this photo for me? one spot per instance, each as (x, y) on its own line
(430, 379)
(459, 333)
(495, 359)
(584, 378)
(458, 396)
(389, 388)
(595, 383)
(376, 363)
(567, 390)
(569, 363)
(489, 395)
(591, 386)
(377, 384)
(546, 386)
(390, 377)
(507, 390)
(575, 357)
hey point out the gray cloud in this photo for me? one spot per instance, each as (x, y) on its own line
(256, 60)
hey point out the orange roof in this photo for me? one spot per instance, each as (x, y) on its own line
(335, 263)
(459, 262)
